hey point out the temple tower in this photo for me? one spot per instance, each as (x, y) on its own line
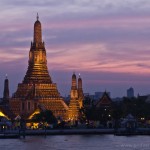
(6, 90)
(37, 71)
(74, 92)
(80, 92)
(73, 112)
(37, 89)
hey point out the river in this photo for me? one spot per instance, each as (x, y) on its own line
(77, 142)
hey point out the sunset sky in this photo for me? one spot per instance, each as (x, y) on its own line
(106, 41)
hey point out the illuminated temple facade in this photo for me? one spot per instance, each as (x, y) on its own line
(37, 89)
(76, 98)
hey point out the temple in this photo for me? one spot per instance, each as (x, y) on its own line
(105, 101)
(37, 89)
(80, 92)
(76, 98)
(4, 103)
(6, 91)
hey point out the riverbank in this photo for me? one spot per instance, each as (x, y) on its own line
(23, 133)
(60, 132)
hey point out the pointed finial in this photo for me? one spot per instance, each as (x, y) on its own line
(79, 75)
(37, 17)
(6, 75)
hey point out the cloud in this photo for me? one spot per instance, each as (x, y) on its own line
(73, 8)
(107, 41)
(100, 57)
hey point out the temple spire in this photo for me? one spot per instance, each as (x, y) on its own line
(37, 31)
(6, 89)
(37, 16)
(74, 82)
(79, 82)
(80, 91)
(6, 76)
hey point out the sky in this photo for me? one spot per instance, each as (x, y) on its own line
(106, 41)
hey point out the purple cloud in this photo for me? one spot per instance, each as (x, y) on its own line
(107, 41)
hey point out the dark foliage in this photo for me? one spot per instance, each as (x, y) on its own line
(45, 116)
(138, 107)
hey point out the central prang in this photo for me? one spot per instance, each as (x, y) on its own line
(37, 89)
(37, 66)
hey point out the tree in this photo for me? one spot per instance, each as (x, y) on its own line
(45, 116)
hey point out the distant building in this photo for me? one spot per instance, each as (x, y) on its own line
(103, 110)
(130, 92)
(146, 98)
(99, 95)
(117, 99)
(105, 101)
(86, 94)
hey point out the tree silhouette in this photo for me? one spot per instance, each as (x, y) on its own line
(45, 116)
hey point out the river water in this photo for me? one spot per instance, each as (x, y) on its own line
(77, 142)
